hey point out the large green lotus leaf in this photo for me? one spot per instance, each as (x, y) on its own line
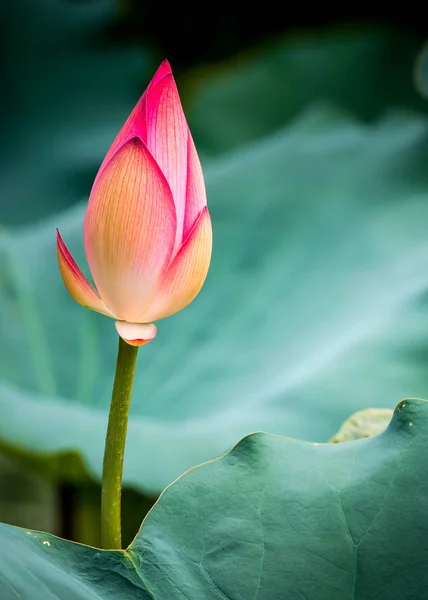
(67, 86)
(275, 518)
(362, 71)
(314, 308)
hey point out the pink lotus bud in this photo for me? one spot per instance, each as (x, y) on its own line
(147, 231)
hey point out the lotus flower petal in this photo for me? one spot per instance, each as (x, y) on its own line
(158, 120)
(196, 197)
(76, 283)
(136, 334)
(148, 196)
(130, 229)
(167, 138)
(186, 274)
(135, 125)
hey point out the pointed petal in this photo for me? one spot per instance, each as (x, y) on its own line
(76, 283)
(186, 274)
(196, 197)
(136, 334)
(129, 230)
(135, 124)
(167, 136)
(164, 69)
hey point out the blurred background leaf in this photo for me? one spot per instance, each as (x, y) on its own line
(67, 86)
(27, 498)
(363, 72)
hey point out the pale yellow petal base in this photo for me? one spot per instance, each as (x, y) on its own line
(136, 334)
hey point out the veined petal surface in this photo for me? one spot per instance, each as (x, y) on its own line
(130, 229)
(167, 138)
(76, 283)
(186, 274)
(159, 121)
(135, 124)
(196, 197)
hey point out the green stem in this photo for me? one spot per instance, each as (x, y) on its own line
(111, 487)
